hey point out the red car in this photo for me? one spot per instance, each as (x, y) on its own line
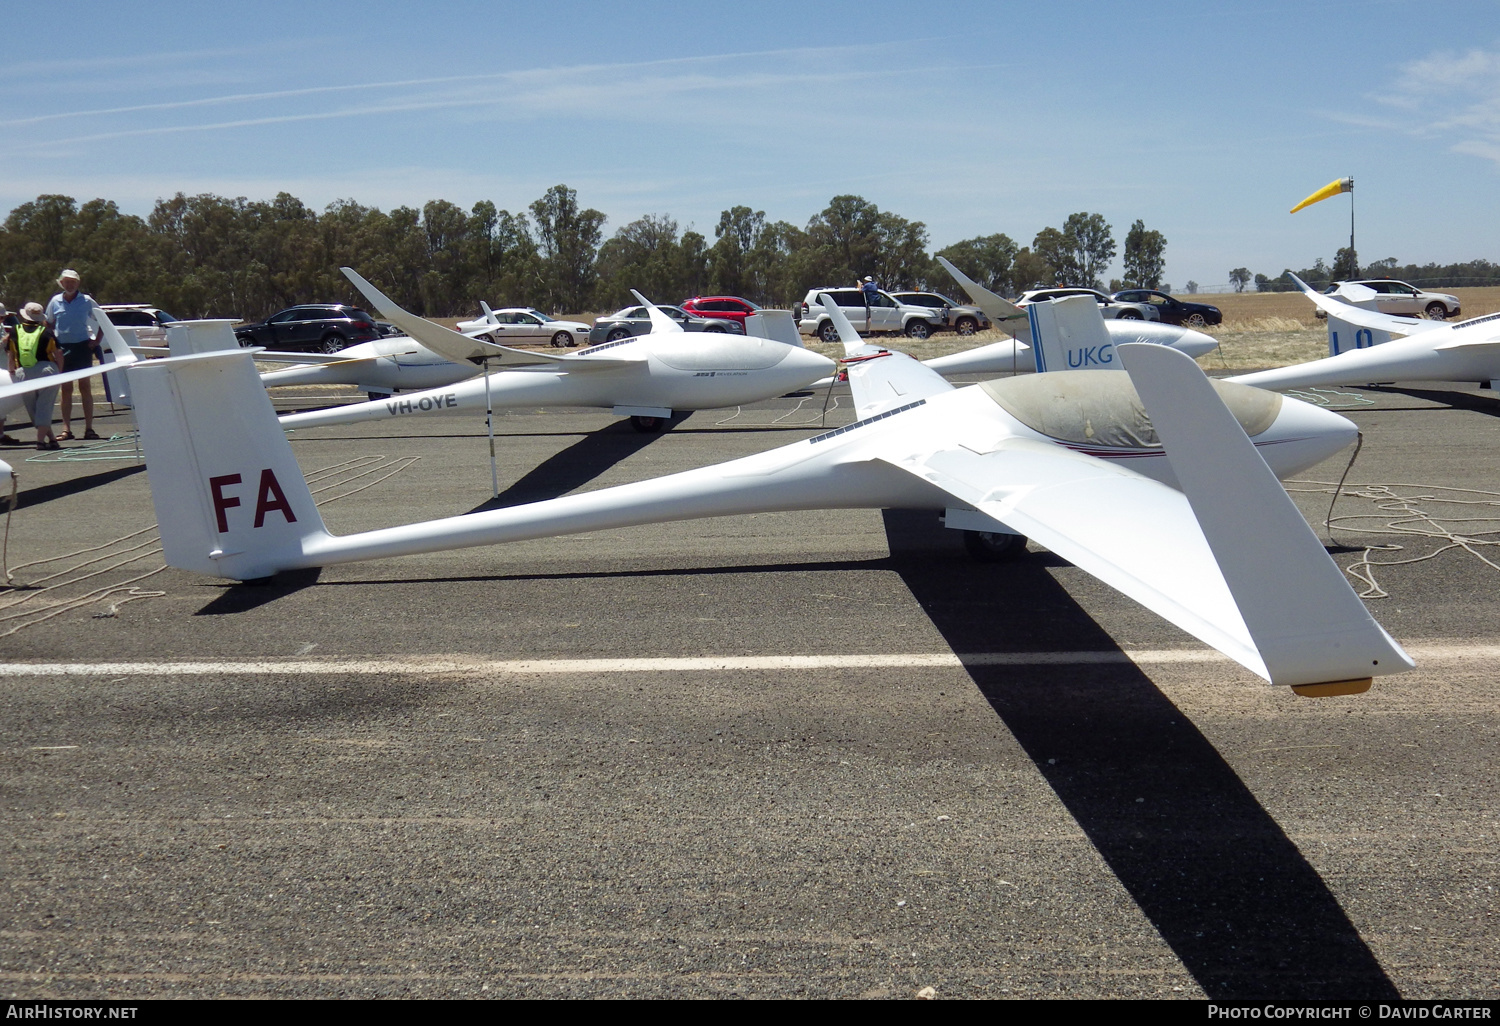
(729, 308)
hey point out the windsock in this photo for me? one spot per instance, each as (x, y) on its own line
(1331, 189)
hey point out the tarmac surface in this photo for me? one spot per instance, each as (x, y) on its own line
(815, 754)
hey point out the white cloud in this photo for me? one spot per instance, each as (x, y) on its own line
(1450, 97)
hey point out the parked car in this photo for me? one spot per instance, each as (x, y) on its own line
(886, 314)
(317, 327)
(633, 320)
(1170, 310)
(527, 324)
(1397, 297)
(729, 308)
(1111, 308)
(150, 324)
(959, 317)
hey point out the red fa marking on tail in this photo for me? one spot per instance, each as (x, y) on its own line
(223, 502)
(271, 498)
(269, 486)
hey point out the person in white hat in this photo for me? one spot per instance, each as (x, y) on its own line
(70, 315)
(32, 352)
(869, 290)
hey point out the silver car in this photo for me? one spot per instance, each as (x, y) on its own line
(1110, 307)
(634, 320)
(959, 317)
(526, 324)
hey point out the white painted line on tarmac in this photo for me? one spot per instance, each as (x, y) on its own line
(435, 665)
(441, 665)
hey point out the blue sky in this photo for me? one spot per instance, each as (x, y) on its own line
(1208, 121)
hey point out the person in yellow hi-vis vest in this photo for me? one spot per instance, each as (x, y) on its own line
(33, 353)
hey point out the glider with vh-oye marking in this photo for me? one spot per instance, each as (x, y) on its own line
(645, 377)
(1434, 351)
(1180, 511)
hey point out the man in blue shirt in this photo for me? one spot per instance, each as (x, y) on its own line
(70, 315)
(870, 291)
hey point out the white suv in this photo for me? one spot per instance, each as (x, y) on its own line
(149, 322)
(1397, 297)
(886, 315)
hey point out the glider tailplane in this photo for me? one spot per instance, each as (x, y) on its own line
(1311, 631)
(230, 498)
(1069, 334)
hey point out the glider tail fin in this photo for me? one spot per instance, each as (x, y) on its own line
(230, 498)
(1310, 629)
(1069, 334)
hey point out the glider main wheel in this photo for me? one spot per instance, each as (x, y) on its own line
(1129, 315)
(918, 330)
(828, 332)
(991, 547)
(332, 343)
(378, 397)
(1437, 312)
(562, 339)
(1195, 320)
(617, 334)
(966, 326)
(647, 425)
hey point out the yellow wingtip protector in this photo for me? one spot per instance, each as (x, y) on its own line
(1334, 688)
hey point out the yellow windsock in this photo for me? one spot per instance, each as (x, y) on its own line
(1331, 189)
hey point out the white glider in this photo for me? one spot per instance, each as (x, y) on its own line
(1464, 351)
(1019, 353)
(1228, 558)
(644, 377)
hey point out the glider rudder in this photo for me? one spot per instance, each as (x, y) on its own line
(230, 498)
(1311, 631)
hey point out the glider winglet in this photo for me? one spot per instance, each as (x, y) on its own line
(447, 343)
(1004, 314)
(1311, 630)
(660, 323)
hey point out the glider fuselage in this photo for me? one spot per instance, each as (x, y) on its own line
(672, 372)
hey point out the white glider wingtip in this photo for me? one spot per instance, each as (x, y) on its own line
(447, 343)
(1311, 631)
(660, 323)
(847, 335)
(114, 340)
(1004, 314)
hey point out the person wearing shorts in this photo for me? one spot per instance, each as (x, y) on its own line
(32, 352)
(70, 315)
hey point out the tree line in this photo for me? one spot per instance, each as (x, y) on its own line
(213, 256)
(1346, 267)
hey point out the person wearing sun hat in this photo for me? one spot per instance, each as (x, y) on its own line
(32, 352)
(70, 314)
